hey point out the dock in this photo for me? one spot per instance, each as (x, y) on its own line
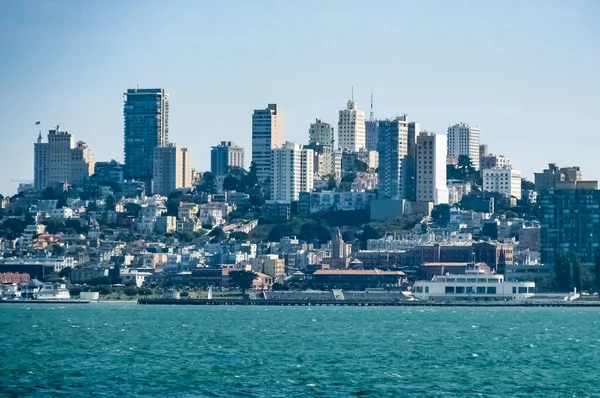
(44, 301)
(344, 303)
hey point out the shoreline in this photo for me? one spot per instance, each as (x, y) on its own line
(343, 303)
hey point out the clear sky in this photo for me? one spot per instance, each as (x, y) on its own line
(527, 72)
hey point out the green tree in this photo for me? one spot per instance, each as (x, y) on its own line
(110, 203)
(562, 271)
(452, 172)
(209, 184)
(528, 185)
(279, 231)
(331, 183)
(361, 166)
(58, 250)
(465, 167)
(218, 234)
(173, 206)
(14, 225)
(133, 209)
(242, 279)
(75, 291)
(130, 291)
(576, 271)
(238, 235)
(99, 280)
(65, 272)
(144, 291)
(184, 294)
(368, 233)
(104, 290)
(230, 183)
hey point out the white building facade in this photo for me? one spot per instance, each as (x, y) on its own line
(504, 181)
(431, 168)
(351, 128)
(464, 140)
(267, 134)
(321, 133)
(292, 171)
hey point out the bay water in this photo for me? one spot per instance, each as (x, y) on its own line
(128, 350)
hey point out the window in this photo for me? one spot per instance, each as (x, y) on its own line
(491, 290)
(471, 280)
(449, 290)
(470, 290)
(419, 289)
(531, 289)
(480, 289)
(426, 289)
(514, 290)
(450, 280)
(460, 290)
(522, 290)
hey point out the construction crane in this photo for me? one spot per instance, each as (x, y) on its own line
(23, 181)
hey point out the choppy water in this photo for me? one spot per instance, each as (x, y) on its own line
(109, 350)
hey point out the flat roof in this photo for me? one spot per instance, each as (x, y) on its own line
(357, 272)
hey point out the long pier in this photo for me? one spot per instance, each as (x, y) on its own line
(346, 303)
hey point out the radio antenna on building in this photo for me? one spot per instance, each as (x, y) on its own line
(352, 93)
(371, 117)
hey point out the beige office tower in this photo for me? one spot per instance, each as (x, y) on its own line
(267, 134)
(431, 168)
(60, 161)
(172, 169)
(351, 128)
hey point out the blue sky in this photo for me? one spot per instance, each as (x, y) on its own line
(525, 72)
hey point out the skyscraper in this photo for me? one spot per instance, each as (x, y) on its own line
(351, 128)
(172, 169)
(224, 156)
(410, 173)
(371, 130)
(570, 221)
(60, 160)
(464, 140)
(431, 168)
(321, 133)
(393, 150)
(292, 171)
(146, 118)
(267, 134)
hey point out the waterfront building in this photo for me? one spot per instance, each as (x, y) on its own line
(61, 160)
(292, 172)
(431, 168)
(393, 150)
(549, 177)
(225, 156)
(146, 125)
(570, 221)
(172, 169)
(475, 284)
(267, 134)
(502, 181)
(351, 128)
(464, 140)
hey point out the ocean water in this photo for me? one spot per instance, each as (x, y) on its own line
(128, 350)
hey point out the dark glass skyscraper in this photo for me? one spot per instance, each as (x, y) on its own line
(146, 118)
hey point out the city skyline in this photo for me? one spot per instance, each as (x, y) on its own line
(511, 90)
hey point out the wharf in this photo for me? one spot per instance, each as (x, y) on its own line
(344, 303)
(44, 301)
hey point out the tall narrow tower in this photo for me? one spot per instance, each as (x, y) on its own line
(267, 134)
(146, 118)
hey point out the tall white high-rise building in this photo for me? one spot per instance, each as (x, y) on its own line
(61, 161)
(321, 133)
(431, 168)
(393, 153)
(267, 134)
(292, 171)
(464, 140)
(351, 128)
(172, 169)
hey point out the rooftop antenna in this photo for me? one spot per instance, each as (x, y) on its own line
(371, 118)
(352, 93)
